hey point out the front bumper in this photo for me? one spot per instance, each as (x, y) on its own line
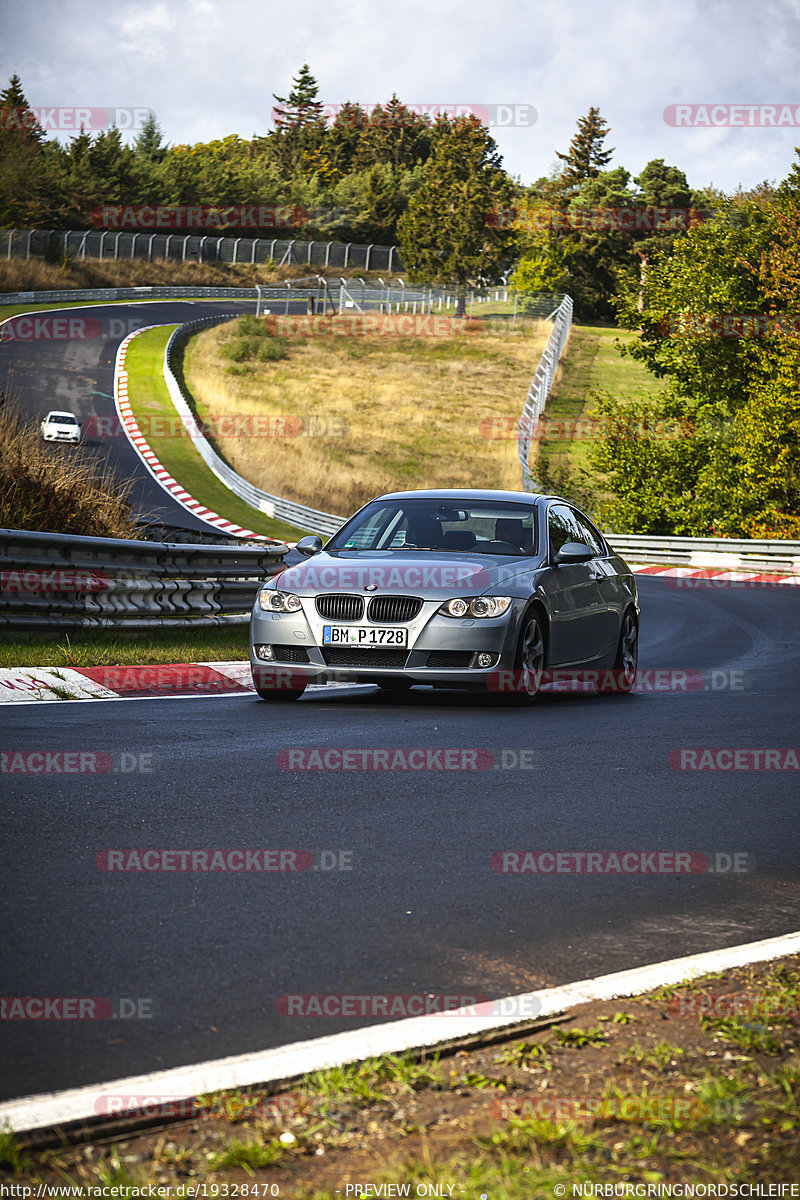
(441, 650)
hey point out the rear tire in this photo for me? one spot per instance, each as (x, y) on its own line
(627, 659)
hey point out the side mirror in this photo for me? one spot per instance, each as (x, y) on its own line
(574, 552)
(310, 544)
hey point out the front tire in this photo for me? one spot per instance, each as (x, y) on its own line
(529, 661)
(394, 685)
(627, 660)
(283, 694)
(268, 684)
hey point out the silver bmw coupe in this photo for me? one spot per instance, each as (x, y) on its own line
(499, 591)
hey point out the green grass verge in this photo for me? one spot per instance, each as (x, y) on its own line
(103, 647)
(592, 362)
(598, 1095)
(161, 426)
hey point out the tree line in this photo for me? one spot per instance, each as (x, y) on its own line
(710, 283)
(389, 175)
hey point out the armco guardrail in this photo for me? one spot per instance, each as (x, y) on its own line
(56, 581)
(759, 554)
(540, 387)
(324, 295)
(299, 515)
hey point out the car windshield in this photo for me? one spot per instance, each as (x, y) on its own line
(62, 419)
(454, 526)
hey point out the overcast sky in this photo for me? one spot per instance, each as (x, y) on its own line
(208, 68)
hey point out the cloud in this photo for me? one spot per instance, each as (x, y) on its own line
(209, 68)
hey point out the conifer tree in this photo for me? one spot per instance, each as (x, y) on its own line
(586, 156)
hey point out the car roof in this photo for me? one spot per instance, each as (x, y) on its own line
(465, 494)
(56, 412)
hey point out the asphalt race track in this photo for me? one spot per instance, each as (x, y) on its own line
(420, 911)
(77, 375)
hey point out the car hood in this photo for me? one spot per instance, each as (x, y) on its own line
(419, 573)
(61, 427)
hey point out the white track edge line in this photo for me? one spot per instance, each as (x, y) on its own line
(392, 1037)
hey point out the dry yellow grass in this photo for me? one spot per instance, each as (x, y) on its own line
(376, 412)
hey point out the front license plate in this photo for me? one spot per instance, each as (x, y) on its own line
(360, 635)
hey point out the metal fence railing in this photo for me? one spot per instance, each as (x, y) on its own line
(541, 384)
(57, 581)
(299, 515)
(323, 295)
(193, 247)
(758, 554)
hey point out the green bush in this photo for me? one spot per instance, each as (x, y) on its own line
(272, 350)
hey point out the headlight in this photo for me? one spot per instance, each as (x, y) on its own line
(480, 606)
(273, 601)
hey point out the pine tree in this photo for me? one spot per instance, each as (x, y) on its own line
(16, 115)
(149, 144)
(301, 107)
(299, 125)
(586, 156)
(446, 235)
(23, 182)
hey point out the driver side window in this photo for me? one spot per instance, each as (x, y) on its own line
(561, 528)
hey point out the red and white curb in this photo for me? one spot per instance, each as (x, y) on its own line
(292, 1061)
(20, 685)
(719, 575)
(150, 460)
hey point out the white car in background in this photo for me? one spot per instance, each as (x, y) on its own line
(61, 427)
